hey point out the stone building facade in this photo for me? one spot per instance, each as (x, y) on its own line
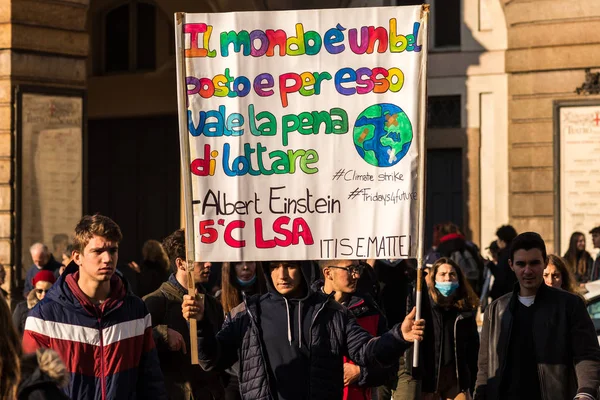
(492, 86)
(550, 44)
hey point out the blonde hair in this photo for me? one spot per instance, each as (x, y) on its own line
(10, 354)
(51, 364)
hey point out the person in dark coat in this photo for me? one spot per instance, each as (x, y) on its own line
(42, 283)
(504, 277)
(183, 380)
(291, 341)
(42, 260)
(43, 375)
(453, 367)
(537, 342)
(154, 269)
(579, 261)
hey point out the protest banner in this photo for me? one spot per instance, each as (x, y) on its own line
(301, 133)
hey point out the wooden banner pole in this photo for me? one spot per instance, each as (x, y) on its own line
(422, 168)
(186, 177)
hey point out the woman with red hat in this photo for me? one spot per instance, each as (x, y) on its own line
(42, 282)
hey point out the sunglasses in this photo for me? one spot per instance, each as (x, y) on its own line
(40, 291)
(353, 270)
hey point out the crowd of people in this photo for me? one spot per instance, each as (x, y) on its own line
(283, 330)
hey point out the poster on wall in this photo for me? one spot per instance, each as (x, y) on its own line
(579, 171)
(50, 171)
(301, 132)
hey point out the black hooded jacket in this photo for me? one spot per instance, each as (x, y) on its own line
(293, 349)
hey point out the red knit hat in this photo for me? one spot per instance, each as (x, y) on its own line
(44, 276)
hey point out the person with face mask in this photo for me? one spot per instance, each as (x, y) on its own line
(452, 362)
(238, 281)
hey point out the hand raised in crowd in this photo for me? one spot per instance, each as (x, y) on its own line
(193, 307)
(134, 266)
(412, 330)
(351, 374)
(175, 341)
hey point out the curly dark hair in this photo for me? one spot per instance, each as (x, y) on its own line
(174, 245)
(506, 233)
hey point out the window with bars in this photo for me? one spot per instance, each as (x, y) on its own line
(444, 111)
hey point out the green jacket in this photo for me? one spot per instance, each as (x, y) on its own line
(183, 380)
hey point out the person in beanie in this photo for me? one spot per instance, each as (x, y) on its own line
(41, 283)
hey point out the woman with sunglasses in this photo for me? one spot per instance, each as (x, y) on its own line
(42, 282)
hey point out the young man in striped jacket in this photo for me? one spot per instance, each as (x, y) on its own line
(100, 329)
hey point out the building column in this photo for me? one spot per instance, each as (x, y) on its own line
(43, 44)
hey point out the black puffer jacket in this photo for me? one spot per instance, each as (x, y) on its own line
(327, 333)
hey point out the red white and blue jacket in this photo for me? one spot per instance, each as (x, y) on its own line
(108, 349)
